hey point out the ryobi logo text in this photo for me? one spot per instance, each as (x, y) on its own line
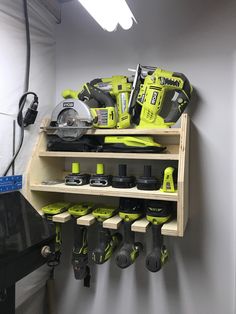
(154, 98)
(169, 81)
(68, 104)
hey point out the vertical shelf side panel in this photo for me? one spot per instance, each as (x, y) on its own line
(183, 176)
(41, 169)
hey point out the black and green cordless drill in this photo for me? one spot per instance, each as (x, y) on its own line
(129, 210)
(80, 249)
(107, 243)
(158, 213)
(49, 211)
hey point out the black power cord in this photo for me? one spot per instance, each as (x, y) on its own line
(23, 122)
(31, 113)
(28, 45)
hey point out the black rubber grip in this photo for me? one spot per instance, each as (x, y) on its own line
(95, 81)
(128, 234)
(92, 92)
(104, 238)
(177, 107)
(80, 236)
(153, 260)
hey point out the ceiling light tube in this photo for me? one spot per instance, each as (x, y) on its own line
(109, 13)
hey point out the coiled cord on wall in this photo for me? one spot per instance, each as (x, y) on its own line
(32, 111)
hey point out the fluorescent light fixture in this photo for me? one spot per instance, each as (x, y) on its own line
(110, 13)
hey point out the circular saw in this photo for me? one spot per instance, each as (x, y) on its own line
(70, 119)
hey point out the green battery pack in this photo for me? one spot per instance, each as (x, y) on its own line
(102, 213)
(81, 209)
(56, 208)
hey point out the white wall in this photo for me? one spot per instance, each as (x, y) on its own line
(198, 39)
(42, 81)
(12, 64)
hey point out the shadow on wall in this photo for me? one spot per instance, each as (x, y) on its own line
(188, 251)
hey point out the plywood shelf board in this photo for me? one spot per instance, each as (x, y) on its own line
(110, 155)
(115, 222)
(129, 131)
(63, 217)
(164, 131)
(170, 228)
(86, 220)
(140, 225)
(112, 223)
(105, 191)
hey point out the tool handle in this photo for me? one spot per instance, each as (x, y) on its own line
(179, 103)
(129, 236)
(104, 235)
(80, 254)
(153, 260)
(80, 236)
(58, 237)
(99, 254)
(91, 92)
(157, 237)
(130, 250)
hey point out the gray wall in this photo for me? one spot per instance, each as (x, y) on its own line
(30, 290)
(198, 39)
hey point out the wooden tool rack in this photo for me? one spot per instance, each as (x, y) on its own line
(48, 165)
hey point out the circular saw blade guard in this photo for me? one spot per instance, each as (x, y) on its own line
(70, 119)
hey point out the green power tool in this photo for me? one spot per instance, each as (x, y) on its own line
(158, 213)
(108, 100)
(100, 104)
(107, 243)
(119, 87)
(129, 210)
(49, 211)
(169, 184)
(132, 144)
(158, 97)
(80, 249)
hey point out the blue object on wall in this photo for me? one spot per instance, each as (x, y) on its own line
(10, 183)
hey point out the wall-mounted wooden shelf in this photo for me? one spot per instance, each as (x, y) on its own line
(141, 225)
(47, 165)
(167, 131)
(164, 156)
(105, 191)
